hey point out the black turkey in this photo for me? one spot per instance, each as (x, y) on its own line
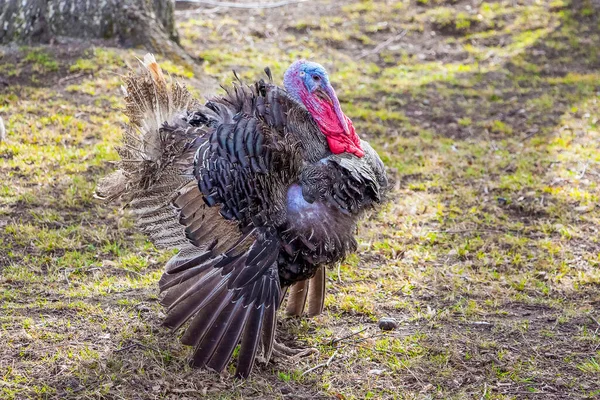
(259, 189)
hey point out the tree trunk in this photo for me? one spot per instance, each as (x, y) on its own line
(148, 23)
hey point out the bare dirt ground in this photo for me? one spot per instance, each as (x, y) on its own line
(487, 254)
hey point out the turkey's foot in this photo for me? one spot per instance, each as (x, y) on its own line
(282, 351)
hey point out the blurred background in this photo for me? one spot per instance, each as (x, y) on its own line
(485, 113)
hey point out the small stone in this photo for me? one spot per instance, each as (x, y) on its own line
(108, 263)
(502, 201)
(388, 324)
(285, 390)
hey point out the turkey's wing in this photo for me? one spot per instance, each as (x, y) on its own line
(224, 283)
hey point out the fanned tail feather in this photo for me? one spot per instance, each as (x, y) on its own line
(227, 299)
(156, 153)
(148, 153)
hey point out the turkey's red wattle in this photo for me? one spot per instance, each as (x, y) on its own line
(338, 139)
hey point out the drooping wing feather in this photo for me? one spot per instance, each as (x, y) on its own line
(243, 168)
(227, 297)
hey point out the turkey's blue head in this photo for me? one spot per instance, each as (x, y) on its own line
(308, 83)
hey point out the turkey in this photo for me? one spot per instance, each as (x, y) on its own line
(259, 189)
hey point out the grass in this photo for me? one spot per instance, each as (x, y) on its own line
(487, 253)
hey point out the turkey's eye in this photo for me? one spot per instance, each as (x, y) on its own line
(316, 78)
(302, 73)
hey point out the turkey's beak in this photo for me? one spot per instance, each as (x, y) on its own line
(328, 94)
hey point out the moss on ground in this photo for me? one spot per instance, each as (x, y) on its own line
(487, 254)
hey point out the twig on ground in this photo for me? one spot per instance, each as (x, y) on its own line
(364, 339)
(187, 391)
(2, 130)
(524, 392)
(323, 365)
(594, 319)
(347, 336)
(243, 5)
(409, 370)
(71, 77)
(582, 173)
(126, 348)
(474, 230)
(382, 45)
